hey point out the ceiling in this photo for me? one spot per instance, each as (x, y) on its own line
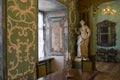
(50, 5)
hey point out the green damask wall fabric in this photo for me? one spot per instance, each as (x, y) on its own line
(21, 39)
(22, 36)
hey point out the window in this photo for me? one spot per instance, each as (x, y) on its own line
(40, 36)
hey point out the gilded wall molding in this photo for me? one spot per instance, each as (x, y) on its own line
(72, 25)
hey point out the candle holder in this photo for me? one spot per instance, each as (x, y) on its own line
(69, 68)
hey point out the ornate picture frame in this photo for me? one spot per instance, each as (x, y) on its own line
(106, 33)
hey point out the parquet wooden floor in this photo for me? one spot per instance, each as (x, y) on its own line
(108, 71)
(105, 71)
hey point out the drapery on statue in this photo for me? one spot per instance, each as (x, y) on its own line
(83, 40)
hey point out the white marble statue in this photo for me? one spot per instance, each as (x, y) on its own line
(83, 40)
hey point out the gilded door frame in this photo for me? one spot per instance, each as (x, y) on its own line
(4, 38)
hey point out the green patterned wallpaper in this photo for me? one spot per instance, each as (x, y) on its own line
(21, 39)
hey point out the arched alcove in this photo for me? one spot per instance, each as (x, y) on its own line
(106, 49)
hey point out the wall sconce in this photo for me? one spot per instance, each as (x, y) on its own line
(108, 10)
(95, 8)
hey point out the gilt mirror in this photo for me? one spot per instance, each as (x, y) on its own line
(106, 33)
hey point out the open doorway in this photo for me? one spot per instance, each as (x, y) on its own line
(52, 36)
(52, 30)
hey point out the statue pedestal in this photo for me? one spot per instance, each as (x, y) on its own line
(88, 65)
(77, 63)
(84, 64)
